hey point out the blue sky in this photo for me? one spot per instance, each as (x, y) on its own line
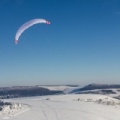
(80, 46)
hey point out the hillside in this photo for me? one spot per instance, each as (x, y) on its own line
(65, 107)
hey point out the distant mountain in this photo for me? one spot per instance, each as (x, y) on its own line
(26, 91)
(95, 86)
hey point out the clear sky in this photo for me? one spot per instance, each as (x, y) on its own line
(80, 46)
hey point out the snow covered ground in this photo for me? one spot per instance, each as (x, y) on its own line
(12, 110)
(116, 92)
(65, 107)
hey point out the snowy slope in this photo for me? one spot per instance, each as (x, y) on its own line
(65, 88)
(66, 107)
(114, 93)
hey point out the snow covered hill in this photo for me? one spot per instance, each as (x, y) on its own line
(91, 102)
(66, 107)
(38, 90)
(102, 89)
(63, 88)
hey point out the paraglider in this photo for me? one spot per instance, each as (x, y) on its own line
(27, 25)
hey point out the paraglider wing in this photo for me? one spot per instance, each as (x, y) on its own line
(27, 25)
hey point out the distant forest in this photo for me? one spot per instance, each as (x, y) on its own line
(13, 92)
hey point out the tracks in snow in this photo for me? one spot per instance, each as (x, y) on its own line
(49, 108)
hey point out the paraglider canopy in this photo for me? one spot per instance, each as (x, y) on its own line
(27, 25)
